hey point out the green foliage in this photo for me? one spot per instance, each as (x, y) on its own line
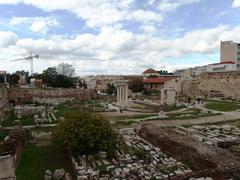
(13, 79)
(222, 106)
(136, 85)
(164, 72)
(111, 89)
(139, 153)
(151, 92)
(37, 159)
(53, 79)
(103, 169)
(85, 133)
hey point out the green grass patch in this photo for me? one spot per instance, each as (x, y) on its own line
(36, 160)
(124, 123)
(66, 109)
(222, 106)
(10, 117)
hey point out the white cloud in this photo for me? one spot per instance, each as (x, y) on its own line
(36, 24)
(236, 3)
(146, 16)
(7, 38)
(96, 13)
(117, 51)
(171, 5)
(149, 29)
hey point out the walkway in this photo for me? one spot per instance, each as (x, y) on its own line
(229, 116)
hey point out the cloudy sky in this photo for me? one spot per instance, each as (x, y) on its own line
(116, 36)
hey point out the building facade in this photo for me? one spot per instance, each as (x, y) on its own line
(156, 84)
(222, 67)
(230, 51)
(150, 72)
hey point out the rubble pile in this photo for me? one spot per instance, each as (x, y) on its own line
(141, 160)
(225, 136)
(195, 147)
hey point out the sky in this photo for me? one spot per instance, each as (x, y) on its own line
(115, 36)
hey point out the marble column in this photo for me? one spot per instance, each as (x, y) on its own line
(122, 93)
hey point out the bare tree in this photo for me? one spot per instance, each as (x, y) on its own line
(66, 69)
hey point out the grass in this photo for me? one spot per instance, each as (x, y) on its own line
(64, 109)
(36, 160)
(222, 106)
(9, 121)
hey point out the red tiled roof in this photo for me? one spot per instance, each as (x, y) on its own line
(149, 71)
(160, 80)
(225, 62)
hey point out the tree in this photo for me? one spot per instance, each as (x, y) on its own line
(63, 81)
(111, 89)
(22, 73)
(85, 133)
(136, 85)
(49, 76)
(66, 69)
(13, 79)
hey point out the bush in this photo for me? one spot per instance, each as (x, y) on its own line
(85, 133)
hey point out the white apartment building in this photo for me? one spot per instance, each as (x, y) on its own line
(230, 51)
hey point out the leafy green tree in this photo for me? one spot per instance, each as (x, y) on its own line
(13, 79)
(136, 85)
(63, 81)
(22, 73)
(85, 133)
(111, 89)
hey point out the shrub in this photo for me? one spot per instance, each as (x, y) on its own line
(85, 133)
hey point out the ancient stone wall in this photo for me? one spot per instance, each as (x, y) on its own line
(7, 168)
(21, 95)
(3, 100)
(213, 84)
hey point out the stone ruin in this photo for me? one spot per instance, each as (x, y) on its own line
(45, 95)
(58, 174)
(41, 114)
(51, 101)
(224, 136)
(168, 96)
(126, 165)
(13, 147)
(3, 100)
(204, 158)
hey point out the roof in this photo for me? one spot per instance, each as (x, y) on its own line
(149, 71)
(225, 62)
(160, 80)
